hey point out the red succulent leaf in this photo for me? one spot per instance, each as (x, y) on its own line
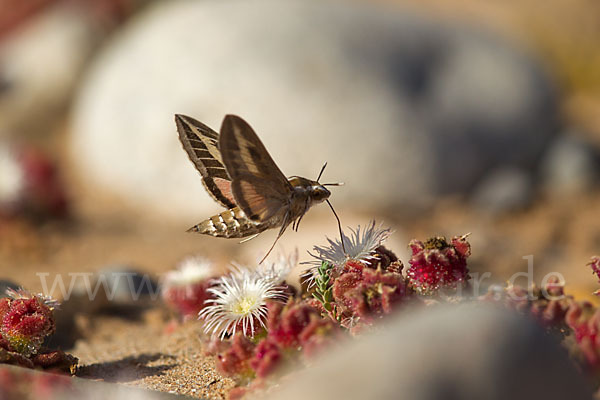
(342, 284)
(353, 266)
(368, 293)
(267, 357)
(235, 360)
(375, 294)
(286, 323)
(584, 319)
(319, 334)
(463, 248)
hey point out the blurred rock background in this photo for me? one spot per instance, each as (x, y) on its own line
(442, 117)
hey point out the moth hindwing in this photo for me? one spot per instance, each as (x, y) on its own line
(259, 187)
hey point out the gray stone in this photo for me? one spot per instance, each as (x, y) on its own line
(40, 65)
(503, 190)
(116, 289)
(570, 166)
(126, 286)
(402, 107)
(112, 286)
(446, 352)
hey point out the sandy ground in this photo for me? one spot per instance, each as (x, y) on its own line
(142, 353)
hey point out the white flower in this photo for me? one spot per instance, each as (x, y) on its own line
(280, 269)
(12, 177)
(240, 299)
(359, 246)
(189, 271)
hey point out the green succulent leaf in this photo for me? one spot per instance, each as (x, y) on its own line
(323, 291)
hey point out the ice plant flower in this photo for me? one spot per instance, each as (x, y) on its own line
(240, 302)
(25, 321)
(438, 264)
(359, 246)
(280, 269)
(186, 288)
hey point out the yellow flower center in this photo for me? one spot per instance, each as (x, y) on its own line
(244, 306)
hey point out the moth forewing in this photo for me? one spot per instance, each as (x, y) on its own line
(243, 153)
(201, 144)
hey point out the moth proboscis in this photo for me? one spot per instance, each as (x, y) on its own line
(238, 172)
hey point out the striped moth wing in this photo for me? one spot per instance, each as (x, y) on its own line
(202, 146)
(259, 187)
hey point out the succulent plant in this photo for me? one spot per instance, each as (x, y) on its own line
(25, 321)
(30, 184)
(186, 289)
(438, 264)
(362, 293)
(584, 320)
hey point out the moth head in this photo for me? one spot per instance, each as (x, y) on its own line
(319, 193)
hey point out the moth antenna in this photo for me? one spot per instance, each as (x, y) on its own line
(339, 225)
(321, 173)
(333, 184)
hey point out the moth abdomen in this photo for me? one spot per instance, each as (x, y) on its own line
(231, 223)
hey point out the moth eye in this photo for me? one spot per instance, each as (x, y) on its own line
(320, 193)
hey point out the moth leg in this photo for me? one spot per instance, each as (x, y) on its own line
(284, 226)
(249, 238)
(297, 222)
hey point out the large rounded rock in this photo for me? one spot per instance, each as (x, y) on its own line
(40, 65)
(447, 352)
(403, 108)
(504, 190)
(570, 166)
